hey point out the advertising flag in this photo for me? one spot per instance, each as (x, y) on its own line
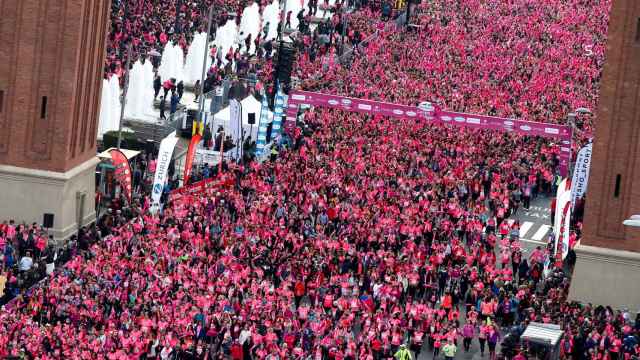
(191, 152)
(122, 172)
(162, 168)
(263, 123)
(581, 173)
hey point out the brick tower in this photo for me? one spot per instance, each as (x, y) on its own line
(608, 265)
(51, 64)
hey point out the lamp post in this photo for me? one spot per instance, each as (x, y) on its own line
(344, 32)
(204, 65)
(571, 121)
(571, 117)
(124, 94)
(408, 13)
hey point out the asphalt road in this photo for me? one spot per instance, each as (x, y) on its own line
(535, 223)
(535, 226)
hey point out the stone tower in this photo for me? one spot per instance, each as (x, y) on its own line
(608, 265)
(51, 64)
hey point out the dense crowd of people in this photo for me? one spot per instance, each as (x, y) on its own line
(536, 61)
(369, 238)
(27, 255)
(149, 25)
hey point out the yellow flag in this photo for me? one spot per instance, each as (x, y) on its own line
(198, 128)
(194, 128)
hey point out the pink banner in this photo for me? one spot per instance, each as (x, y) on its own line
(433, 114)
(297, 98)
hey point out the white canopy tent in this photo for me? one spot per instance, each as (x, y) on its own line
(129, 154)
(249, 105)
(547, 335)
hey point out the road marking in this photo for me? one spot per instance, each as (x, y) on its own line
(533, 241)
(538, 208)
(540, 234)
(525, 227)
(537, 215)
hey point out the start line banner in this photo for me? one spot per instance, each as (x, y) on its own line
(434, 114)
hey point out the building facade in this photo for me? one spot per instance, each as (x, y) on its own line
(608, 257)
(51, 66)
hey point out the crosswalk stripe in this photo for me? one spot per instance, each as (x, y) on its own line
(525, 227)
(533, 242)
(540, 234)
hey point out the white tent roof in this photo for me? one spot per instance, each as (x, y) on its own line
(249, 105)
(129, 154)
(548, 334)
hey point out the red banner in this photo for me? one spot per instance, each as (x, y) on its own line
(122, 171)
(191, 153)
(201, 186)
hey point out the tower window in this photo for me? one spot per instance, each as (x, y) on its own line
(638, 31)
(616, 191)
(1, 100)
(43, 108)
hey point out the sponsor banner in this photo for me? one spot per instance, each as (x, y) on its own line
(201, 187)
(425, 112)
(209, 157)
(262, 126)
(236, 119)
(162, 168)
(429, 112)
(236, 126)
(562, 222)
(580, 178)
(565, 226)
(191, 152)
(122, 172)
(522, 127)
(278, 112)
(216, 100)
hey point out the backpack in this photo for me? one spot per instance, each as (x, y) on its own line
(386, 9)
(506, 307)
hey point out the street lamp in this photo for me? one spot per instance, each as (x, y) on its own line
(123, 99)
(204, 65)
(571, 121)
(571, 117)
(633, 221)
(583, 110)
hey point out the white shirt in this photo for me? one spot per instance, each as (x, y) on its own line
(25, 263)
(166, 351)
(376, 290)
(244, 335)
